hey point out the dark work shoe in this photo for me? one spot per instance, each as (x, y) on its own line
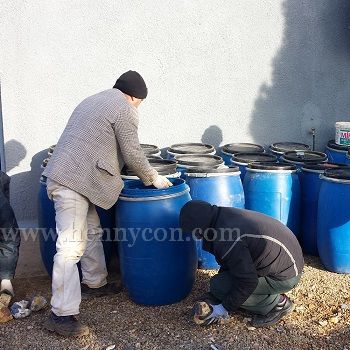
(68, 326)
(107, 289)
(283, 308)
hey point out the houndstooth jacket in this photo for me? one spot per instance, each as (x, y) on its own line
(100, 137)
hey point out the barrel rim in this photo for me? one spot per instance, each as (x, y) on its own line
(150, 149)
(210, 172)
(162, 161)
(207, 148)
(276, 146)
(271, 167)
(226, 148)
(130, 189)
(239, 157)
(320, 168)
(181, 159)
(163, 166)
(293, 156)
(336, 174)
(153, 198)
(334, 146)
(135, 177)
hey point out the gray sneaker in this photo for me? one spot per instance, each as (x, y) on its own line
(68, 326)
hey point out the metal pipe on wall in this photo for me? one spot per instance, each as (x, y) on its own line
(2, 142)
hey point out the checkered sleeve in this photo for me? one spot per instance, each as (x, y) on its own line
(126, 131)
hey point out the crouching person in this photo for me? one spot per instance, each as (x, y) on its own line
(260, 259)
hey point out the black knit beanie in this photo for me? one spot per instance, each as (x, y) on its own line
(197, 214)
(132, 84)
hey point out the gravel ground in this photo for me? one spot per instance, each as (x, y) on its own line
(321, 320)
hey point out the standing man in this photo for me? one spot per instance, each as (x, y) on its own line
(100, 137)
(259, 258)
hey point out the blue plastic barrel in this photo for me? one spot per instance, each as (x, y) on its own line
(310, 188)
(336, 153)
(189, 148)
(190, 161)
(348, 158)
(227, 151)
(158, 263)
(243, 159)
(278, 148)
(222, 187)
(301, 158)
(48, 234)
(274, 190)
(47, 224)
(333, 221)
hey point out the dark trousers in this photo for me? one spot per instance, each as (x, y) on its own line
(262, 300)
(9, 233)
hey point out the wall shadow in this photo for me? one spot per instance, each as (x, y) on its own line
(212, 136)
(15, 152)
(310, 85)
(25, 185)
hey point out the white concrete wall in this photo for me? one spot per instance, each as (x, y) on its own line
(254, 70)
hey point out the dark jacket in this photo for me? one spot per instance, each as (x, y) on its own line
(251, 245)
(9, 232)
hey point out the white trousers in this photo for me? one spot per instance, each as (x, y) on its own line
(79, 239)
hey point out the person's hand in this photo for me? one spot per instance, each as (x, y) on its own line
(206, 314)
(161, 182)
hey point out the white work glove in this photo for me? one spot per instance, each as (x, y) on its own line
(161, 182)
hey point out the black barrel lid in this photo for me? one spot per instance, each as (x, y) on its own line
(305, 156)
(254, 157)
(271, 166)
(159, 162)
(163, 166)
(283, 147)
(331, 144)
(204, 170)
(191, 148)
(200, 160)
(340, 173)
(149, 149)
(243, 148)
(324, 166)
